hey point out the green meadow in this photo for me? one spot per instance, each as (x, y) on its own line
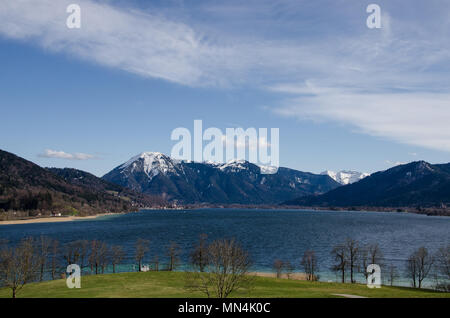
(172, 285)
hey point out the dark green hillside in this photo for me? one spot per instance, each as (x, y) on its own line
(29, 190)
(417, 184)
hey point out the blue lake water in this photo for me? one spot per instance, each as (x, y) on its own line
(267, 234)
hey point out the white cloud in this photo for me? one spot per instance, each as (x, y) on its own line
(391, 83)
(394, 163)
(415, 119)
(48, 153)
(152, 45)
(386, 87)
(148, 45)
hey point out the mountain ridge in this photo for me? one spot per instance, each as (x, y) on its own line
(416, 184)
(237, 181)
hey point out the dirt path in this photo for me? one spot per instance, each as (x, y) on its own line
(349, 296)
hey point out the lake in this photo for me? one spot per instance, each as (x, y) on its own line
(267, 234)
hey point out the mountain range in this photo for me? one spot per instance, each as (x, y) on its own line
(237, 181)
(153, 179)
(417, 184)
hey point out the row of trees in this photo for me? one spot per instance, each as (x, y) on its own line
(308, 264)
(352, 258)
(216, 268)
(173, 252)
(45, 258)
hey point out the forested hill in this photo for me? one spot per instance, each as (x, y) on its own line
(417, 184)
(27, 187)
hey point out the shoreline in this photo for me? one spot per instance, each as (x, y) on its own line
(293, 275)
(430, 212)
(55, 219)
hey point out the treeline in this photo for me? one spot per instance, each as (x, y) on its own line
(215, 268)
(351, 259)
(38, 259)
(44, 258)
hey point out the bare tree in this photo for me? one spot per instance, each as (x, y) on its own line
(76, 252)
(419, 265)
(82, 250)
(156, 263)
(43, 249)
(443, 261)
(142, 247)
(69, 253)
(94, 259)
(103, 256)
(340, 256)
(227, 270)
(370, 254)
(278, 267)
(309, 264)
(173, 252)
(18, 265)
(117, 256)
(289, 269)
(54, 257)
(393, 274)
(353, 253)
(199, 256)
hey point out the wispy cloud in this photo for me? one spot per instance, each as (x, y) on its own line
(137, 42)
(394, 163)
(152, 45)
(391, 82)
(48, 153)
(413, 118)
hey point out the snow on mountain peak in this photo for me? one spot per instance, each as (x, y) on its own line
(235, 164)
(152, 163)
(345, 176)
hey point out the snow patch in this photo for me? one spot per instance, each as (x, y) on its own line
(345, 176)
(151, 163)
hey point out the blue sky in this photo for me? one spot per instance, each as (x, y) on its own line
(344, 96)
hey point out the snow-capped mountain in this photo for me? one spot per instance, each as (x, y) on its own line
(237, 181)
(346, 177)
(151, 163)
(416, 184)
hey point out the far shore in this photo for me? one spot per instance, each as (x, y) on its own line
(53, 219)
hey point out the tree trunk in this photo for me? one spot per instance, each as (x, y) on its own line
(351, 273)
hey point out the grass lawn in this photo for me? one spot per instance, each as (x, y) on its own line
(171, 285)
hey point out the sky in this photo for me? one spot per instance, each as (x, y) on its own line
(343, 96)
